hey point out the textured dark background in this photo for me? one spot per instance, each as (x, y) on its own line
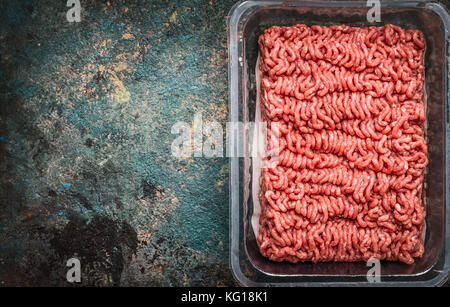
(85, 164)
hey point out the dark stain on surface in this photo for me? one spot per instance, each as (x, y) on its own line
(82, 199)
(99, 245)
(149, 189)
(89, 142)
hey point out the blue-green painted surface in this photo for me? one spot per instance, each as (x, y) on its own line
(86, 168)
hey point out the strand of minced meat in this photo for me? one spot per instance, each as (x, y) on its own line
(352, 151)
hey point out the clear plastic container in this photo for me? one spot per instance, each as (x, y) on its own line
(246, 21)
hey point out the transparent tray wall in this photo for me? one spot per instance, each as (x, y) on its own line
(248, 20)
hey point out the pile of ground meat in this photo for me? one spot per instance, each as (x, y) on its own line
(352, 151)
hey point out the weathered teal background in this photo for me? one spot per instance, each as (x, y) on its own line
(86, 168)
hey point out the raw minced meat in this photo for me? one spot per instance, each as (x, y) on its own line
(352, 150)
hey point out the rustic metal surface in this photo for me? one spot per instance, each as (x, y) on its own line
(86, 168)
